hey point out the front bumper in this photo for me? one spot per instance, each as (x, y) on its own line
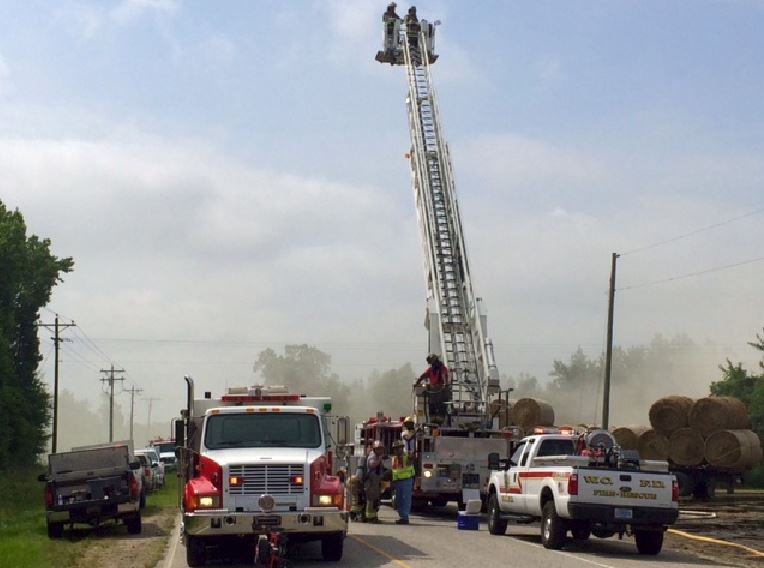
(221, 522)
(605, 514)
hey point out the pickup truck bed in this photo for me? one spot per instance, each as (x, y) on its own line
(90, 486)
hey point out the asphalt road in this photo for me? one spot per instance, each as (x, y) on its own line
(434, 541)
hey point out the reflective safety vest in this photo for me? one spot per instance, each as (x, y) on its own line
(402, 468)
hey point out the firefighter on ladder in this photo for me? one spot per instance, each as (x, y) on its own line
(435, 378)
(403, 480)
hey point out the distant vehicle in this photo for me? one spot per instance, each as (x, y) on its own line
(90, 486)
(166, 449)
(153, 468)
(149, 480)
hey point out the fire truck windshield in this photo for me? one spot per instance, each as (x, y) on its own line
(262, 430)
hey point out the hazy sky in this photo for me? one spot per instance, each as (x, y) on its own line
(230, 176)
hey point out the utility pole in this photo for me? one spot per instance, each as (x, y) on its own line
(110, 379)
(132, 391)
(150, 400)
(609, 352)
(56, 341)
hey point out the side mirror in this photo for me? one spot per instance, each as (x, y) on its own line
(135, 465)
(179, 434)
(494, 462)
(42, 477)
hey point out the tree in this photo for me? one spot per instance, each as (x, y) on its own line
(29, 273)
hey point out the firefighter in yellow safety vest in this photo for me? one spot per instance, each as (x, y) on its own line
(403, 480)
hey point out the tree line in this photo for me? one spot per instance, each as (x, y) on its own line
(28, 273)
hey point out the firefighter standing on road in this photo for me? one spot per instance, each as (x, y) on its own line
(371, 486)
(403, 479)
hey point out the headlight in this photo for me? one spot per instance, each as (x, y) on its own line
(325, 500)
(427, 473)
(208, 502)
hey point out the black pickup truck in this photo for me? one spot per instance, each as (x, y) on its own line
(90, 486)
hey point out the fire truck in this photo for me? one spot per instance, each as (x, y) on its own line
(256, 469)
(451, 452)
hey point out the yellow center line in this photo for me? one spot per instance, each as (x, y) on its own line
(381, 552)
(699, 538)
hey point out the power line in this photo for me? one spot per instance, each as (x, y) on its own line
(694, 232)
(690, 275)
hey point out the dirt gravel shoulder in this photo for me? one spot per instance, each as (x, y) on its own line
(738, 520)
(111, 545)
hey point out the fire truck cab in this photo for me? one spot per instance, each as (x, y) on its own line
(257, 462)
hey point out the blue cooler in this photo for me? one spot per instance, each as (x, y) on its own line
(467, 522)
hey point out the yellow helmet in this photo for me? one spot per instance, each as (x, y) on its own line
(409, 420)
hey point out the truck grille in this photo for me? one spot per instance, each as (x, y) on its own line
(271, 478)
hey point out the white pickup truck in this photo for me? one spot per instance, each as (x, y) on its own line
(546, 479)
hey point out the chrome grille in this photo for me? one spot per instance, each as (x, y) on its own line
(274, 479)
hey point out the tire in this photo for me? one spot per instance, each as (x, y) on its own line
(581, 531)
(264, 551)
(55, 530)
(134, 524)
(196, 552)
(332, 547)
(649, 542)
(439, 502)
(142, 502)
(496, 525)
(552, 528)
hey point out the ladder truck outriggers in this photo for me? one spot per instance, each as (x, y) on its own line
(451, 455)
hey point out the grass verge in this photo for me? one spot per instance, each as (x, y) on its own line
(24, 541)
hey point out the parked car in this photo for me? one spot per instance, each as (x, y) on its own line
(147, 473)
(166, 449)
(157, 466)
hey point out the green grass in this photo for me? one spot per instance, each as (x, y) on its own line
(24, 541)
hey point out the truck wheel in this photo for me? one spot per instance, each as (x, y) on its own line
(332, 547)
(142, 502)
(496, 525)
(134, 524)
(196, 552)
(263, 551)
(55, 530)
(552, 528)
(649, 542)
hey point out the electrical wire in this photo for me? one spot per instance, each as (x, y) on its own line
(694, 232)
(691, 274)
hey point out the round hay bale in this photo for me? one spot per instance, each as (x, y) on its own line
(686, 447)
(718, 413)
(653, 446)
(628, 437)
(530, 412)
(734, 449)
(670, 413)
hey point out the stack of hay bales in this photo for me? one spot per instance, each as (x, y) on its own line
(712, 430)
(529, 413)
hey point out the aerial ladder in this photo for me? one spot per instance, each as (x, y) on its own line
(455, 317)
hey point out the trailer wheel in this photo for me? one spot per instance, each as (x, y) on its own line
(649, 542)
(332, 547)
(552, 528)
(496, 525)
(196, 552)
(55, 530)
(134, 524)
